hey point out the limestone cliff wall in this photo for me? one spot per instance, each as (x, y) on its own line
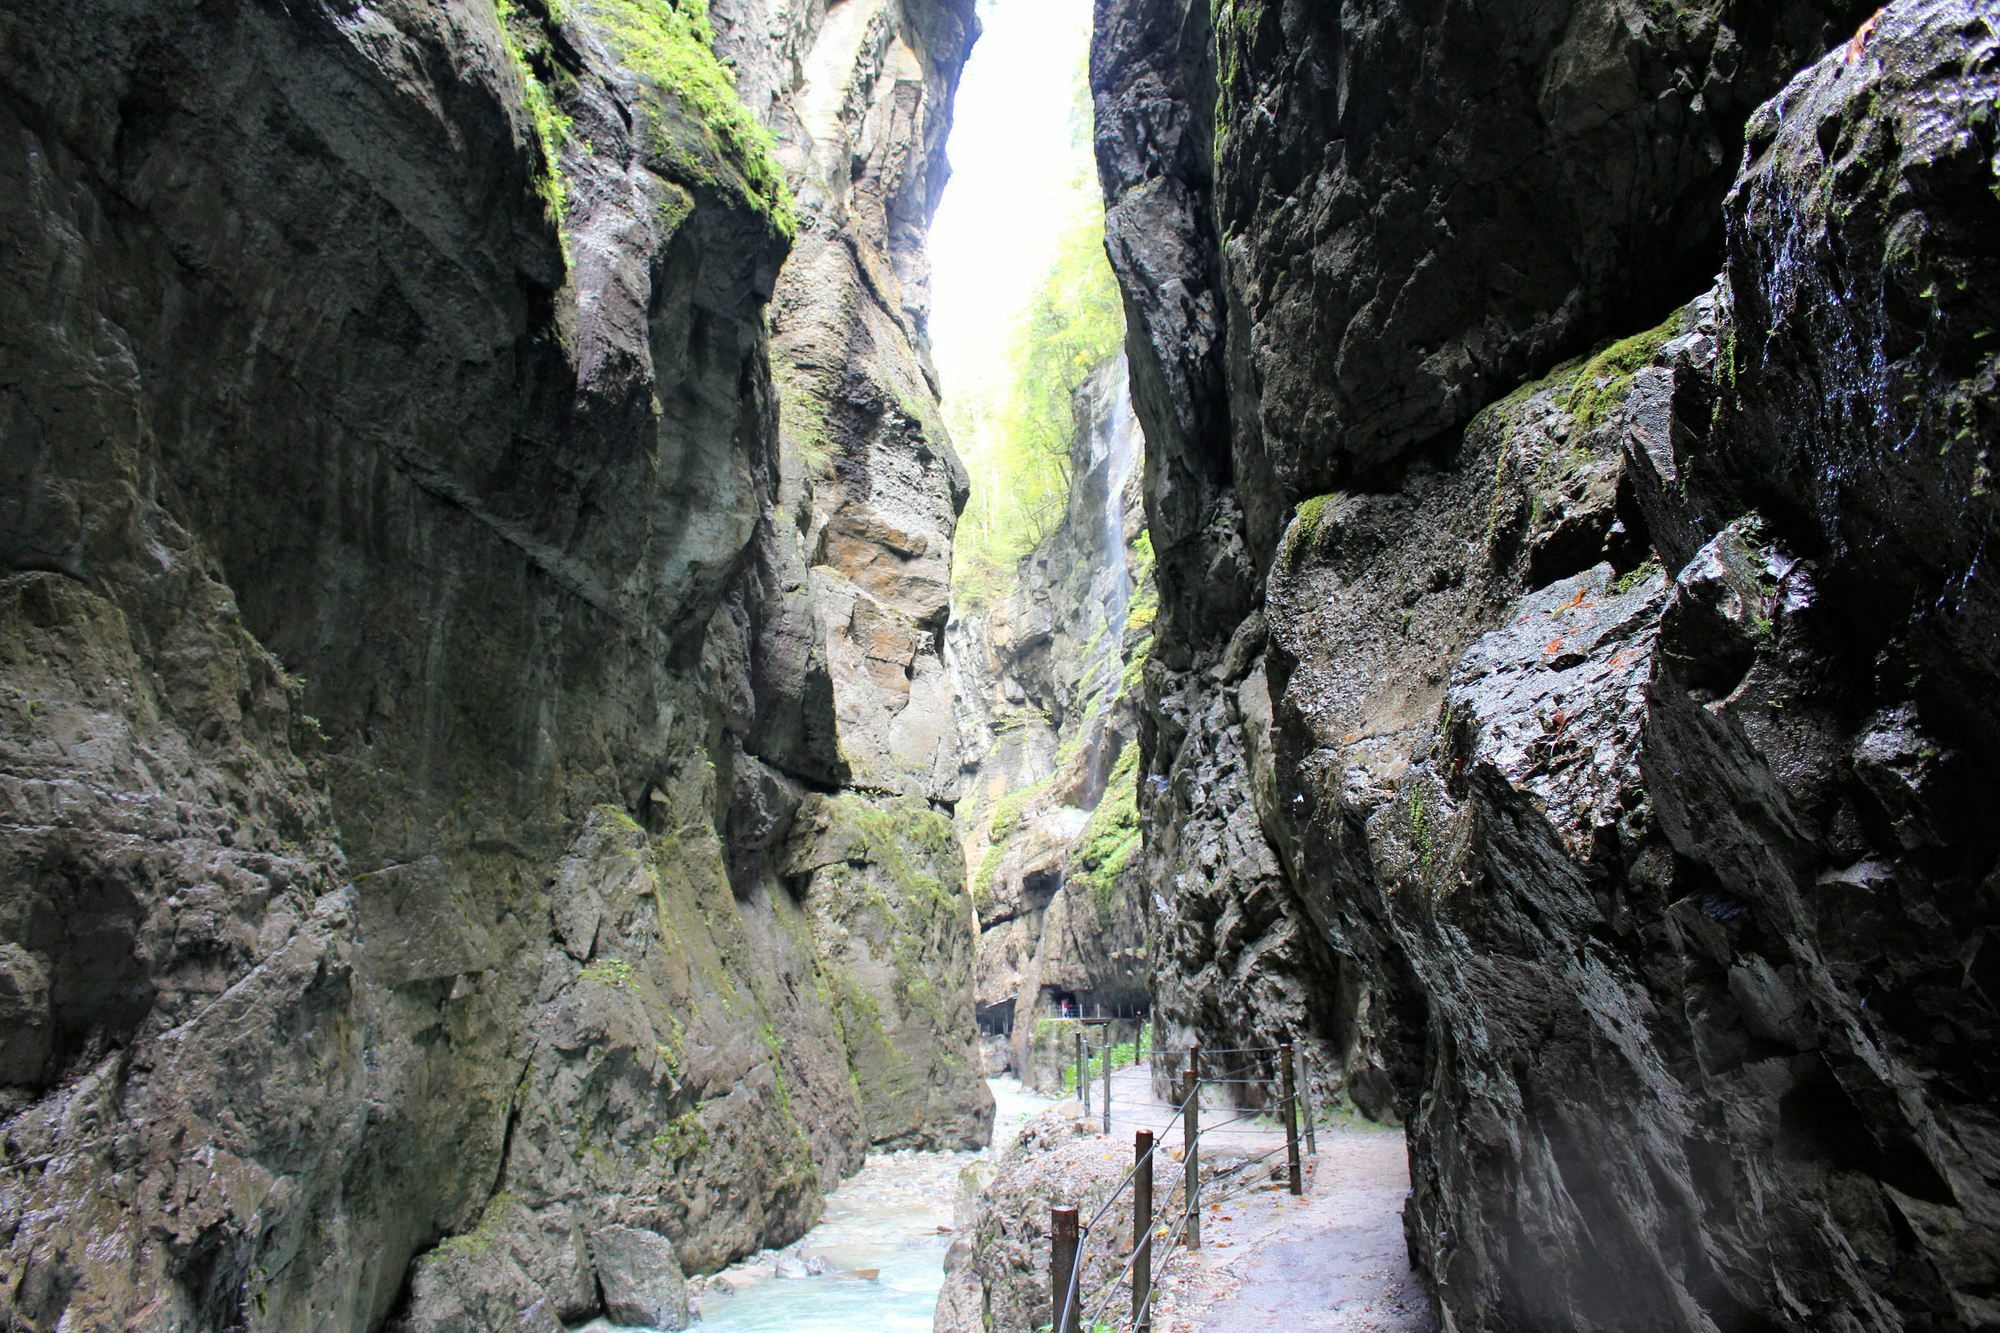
(1613, 724)
(859, 95)
(427, 815)
(1046, 686)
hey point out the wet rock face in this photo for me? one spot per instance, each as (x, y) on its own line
(1625, 744)
(1046, 684)
(1578, 150)
(413, 680)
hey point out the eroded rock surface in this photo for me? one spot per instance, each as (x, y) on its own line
(1615, 747)
(415, 689)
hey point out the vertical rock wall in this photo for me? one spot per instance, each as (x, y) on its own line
(876, 486)
(419, 739)
(1613, 746)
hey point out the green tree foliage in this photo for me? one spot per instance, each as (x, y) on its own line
(1012, 425)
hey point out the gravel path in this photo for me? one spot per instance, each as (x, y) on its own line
(1332, 1260)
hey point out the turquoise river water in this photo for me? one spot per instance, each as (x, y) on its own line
(894, 1216)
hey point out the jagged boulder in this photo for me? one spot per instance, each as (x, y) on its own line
(642, 1284)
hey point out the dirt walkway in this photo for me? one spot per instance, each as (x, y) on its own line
(1333, 1260)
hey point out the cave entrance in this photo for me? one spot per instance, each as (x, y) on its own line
(996, 1020)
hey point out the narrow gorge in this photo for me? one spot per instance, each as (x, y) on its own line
(1048, 691)
(553, 703)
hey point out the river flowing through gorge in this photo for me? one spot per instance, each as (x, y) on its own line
(595, 639)
(891, 1221)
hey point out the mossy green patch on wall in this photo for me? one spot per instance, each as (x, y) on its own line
(474, 1244)
(613, 972)
(1606, 378)
(1307, 528)
(1109, 840)
(673, 46)
(528, 46)
(903, 838)
(1235, 23)
(684, 1135)
(883, 882)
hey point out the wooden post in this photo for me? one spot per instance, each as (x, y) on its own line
(1082, 1083)
(1290, 1092)
(1306, 1104)
(1142, 1232)
(1062, 1271)
(1191, 1141)
(1105, 1056)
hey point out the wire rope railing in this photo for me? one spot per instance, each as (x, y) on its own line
(1071, 1236)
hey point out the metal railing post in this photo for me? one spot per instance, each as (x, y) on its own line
(1191, 1140)
(1290, 1092)
(1062, 1270)
(1105, 1056)
(1306, 1104)
(1142, 1232)
(1082, 1083)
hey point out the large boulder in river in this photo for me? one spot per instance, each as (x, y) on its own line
(642, 1283)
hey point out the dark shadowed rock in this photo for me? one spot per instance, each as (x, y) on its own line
(412, 673)
(1627, 736)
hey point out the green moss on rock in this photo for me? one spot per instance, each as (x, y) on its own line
(899, 837)
(1303, 537)
(528, 47)
(684, 1136)
(1111, 838)
(673, 47)
(1606, 378)
(613, 972)
(479, 1241)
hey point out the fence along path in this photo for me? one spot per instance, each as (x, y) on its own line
(1205, 1122)
(1134, 1106)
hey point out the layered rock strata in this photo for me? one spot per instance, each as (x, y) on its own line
(859, 94)
(1047, 695)
(1615, 748)
(429, 835)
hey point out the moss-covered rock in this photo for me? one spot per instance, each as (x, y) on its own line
(883, 881)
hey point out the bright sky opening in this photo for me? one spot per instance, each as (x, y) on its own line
(1014, 166)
